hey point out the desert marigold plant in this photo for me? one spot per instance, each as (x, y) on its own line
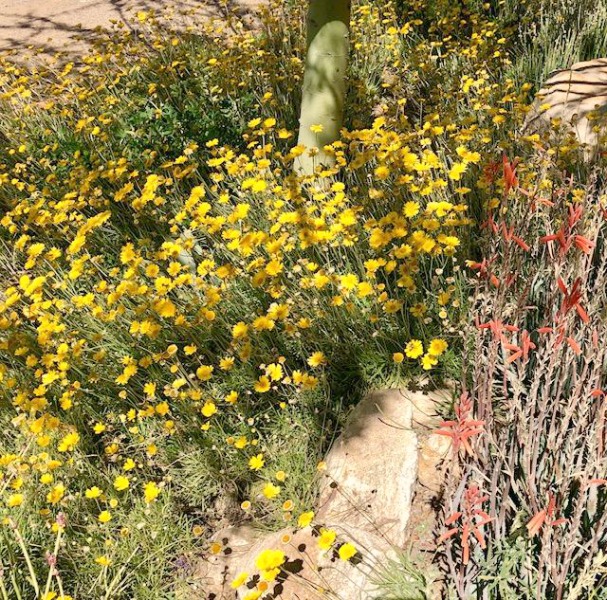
(184, 318)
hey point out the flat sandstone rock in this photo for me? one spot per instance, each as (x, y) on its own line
(577, 98)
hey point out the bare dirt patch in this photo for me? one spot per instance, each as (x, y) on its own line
(65, 25)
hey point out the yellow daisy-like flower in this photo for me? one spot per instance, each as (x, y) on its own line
(428, 361)
(14, 500)
(411, 209)
(347, 551)
(269, 562)
(209, 409)
(262, 385)
(151, 491)
(414, 349)
(204, 372)
(121, 483)
(256, 462)
(326, 539)
(437, 347)
(104, 516)
(317, 359)
(305, 519)
(239, 580)
(271, 491)
(93, 492)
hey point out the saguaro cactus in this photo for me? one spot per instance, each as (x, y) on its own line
(324, 85)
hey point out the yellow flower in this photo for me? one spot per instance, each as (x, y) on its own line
(428, 361)
(226, 364)
(256, 462)
(209, 409)
(364, 289)
(204, 372)
(414, 349)
(232, 397)
(162, 409)
(418, 310)
(262, 385)
(271, 491)
(55, 495)
(411, 209)
(317, 359)
(239, 580)
(348, 282)
(151, 491)
(241, 442)
(274, 371)
(305, 519)
(382, 172)
(346, 551)
(437, 347)
(121, 483)
(165, 308)
(68, 442)
(239, 330)
(104, 516)
(316, 128)
(398, 357)
(457, 170)
(93, 492)
(269, 562)
(326, 539)
(274, 268)
(263, 323)
(392, 306)
(14, 500)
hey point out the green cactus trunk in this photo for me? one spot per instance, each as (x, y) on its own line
(324, 85)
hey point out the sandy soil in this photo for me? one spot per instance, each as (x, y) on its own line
(51, 24)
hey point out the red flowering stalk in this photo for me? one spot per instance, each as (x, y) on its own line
(544, 517)
(463, 427)
(472, 518)
(565, 237)
(572, 299)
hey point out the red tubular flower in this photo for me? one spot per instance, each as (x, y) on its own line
(522, 350)
(497, 327)
(509, 235)
(463, 427)
(472, 517)
(572, 299)
(544, 517)
(510, 178)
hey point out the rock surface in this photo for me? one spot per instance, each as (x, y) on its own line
(577, 97)
(382, 479)
(372, 467)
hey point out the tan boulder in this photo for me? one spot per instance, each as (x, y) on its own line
(576, 98)
(383, 478)
(372, 468)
